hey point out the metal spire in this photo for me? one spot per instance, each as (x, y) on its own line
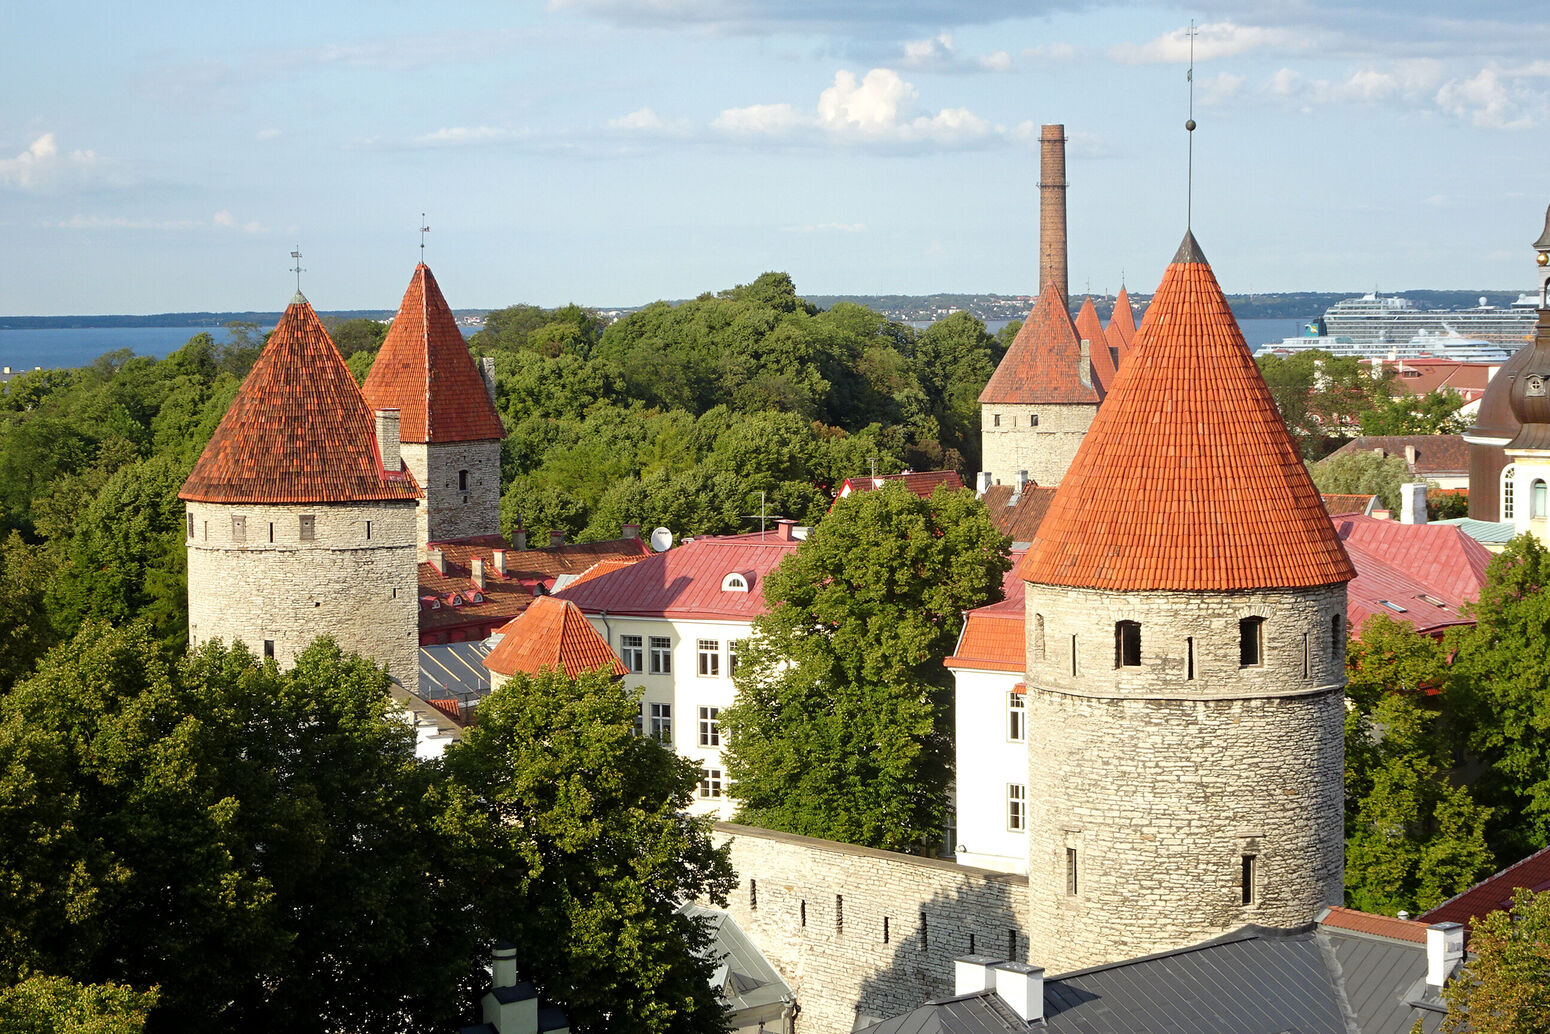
(1189, 128)
(297, 268)
(424, 229)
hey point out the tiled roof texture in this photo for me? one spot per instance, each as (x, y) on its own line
(686, 582)
(1434, 453)
(1019, 520)
(298, 431)
(1338, 504)
(1379, 926)
(920, 482)
(551, 633)
(1420, 376)
(993, 636)
(1187, 479)
(1041, 365)
(425, 371)
(1122, 325)
(1090, 329)
(1495, 892)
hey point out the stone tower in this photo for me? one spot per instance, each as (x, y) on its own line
(1527, 384)
(300, 515)
(450, 431)
(1038, 404)
(1186, 644)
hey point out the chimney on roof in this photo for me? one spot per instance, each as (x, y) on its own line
(1412, 503)
(632, 531)
(477, 565)
(487, 374)
(1052, 209)
(556, 538)
(1022, 481)
(387, 440)
(972, 973)
(1022, 987)
(1444, 951)
(982, 482)
(1410, 456)
(785, 530)
(498, 555)
(519, 540)
(1084, 365)
(438, 560)
(503, 971)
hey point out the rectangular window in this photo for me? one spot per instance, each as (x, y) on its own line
(368, 531)
(1073, 656)
(925, 941)
(1305, 657)
(732, 645)
(710, 657)
(191, 524)
(632, 653)
(753, 895)
(802, 911)
(1250, 879)
(1016, 718)
(1033, 420)
(268, 649)
(710, 783)
(640, 720)
(1127, 644)
(661, 655)
(308, 527)
(1011, 945)
(462, 481)
(839, 913)
(885, 929)
(1250, 642)
(271, 531)
(995, 420)
(239, 529)
(1016, 807)
(662, 723)
(1189, 657)
(710, 726)
(1071, 884)
(204, 530)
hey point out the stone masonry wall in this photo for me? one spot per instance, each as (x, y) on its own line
(269, 584)
(447, 511)
(818, 909)
(1045, 451)
(1161, 784)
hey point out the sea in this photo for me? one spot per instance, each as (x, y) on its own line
(63, 347)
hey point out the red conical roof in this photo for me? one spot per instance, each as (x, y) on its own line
(298, 431)
(552, 633)
(1122, 325)
(1187, 479)
(1090, 329)
(425, 372)
(1042, 364)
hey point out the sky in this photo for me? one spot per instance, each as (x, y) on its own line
(169, 157)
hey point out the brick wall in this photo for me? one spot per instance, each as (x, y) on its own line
(448, 511)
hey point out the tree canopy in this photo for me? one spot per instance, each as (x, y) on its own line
(1505, 987)
(1364, 473)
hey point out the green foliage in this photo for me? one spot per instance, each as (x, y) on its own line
(1390, 658)
(57, 1005)
(1436, 412)
(1504, 988)
(27, 633)
(841, 725)
(594, 851)
(357, 335)
(1364, 473)
(1321, 396)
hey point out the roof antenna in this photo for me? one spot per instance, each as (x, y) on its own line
(1189, 127)
(424, 229)
(763, 515)
(297, 268)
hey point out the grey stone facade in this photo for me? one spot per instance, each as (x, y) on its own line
(1041, 439)
(461, 482)
(1165, 781)
(252, 576)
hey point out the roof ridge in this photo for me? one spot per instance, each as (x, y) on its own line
(1498, 874)
(1042, 364)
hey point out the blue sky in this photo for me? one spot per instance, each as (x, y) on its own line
(168, 157)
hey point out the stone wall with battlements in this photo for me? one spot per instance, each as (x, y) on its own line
(1010, 440)
(253, 577)
(1165, 782)
(865, 933)
(454, 507)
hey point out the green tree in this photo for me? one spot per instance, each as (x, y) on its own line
(57, 1005)
(596, 853)
(954, 359)
(1389, 658)
(841, 726)
(1436, 412)
(1363, 473)
(1505, 987)
(357, 335)
(26, 633)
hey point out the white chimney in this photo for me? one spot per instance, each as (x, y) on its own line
(982, 482)
(477, 564)
(387, 440)
(503, 969)
(1412, 498)
(801, 532)
(1444, 950)
(499, 556)
(1022, 987)
(1022, 481)
(1084, 365)
(438, 560)
(972, 973)
(1410, 456)
(556, 538)
(487, 374)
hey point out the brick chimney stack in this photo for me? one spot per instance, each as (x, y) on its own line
(1052, 210)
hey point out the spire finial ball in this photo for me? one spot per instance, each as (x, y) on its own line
(1190, 125)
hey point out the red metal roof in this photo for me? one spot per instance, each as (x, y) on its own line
(1494, 892)
(1379, 926)
(298, 431)
(424, 370)
(1429, 570)
(1187, 479)
(1090, 329)
(551, 633)
(1042, 364)
(1122, 325)
(994, 636)
(686, 582)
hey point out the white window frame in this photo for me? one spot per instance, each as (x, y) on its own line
(661, 722)
(1509, 504)
(709, 726)
(1016, 717)
(1016, 807)
(711, 785)
(709, 657)
(661, 654)
(632, 651)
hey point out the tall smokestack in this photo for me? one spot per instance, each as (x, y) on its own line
(1052, 210)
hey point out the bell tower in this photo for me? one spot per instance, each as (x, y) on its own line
(1528, 393)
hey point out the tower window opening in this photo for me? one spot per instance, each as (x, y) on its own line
(1073, 654)
(1306, 659)
(191, 524)
(1033, 420)
(1250, 879)
(368, 531)
(1537, 500)
(1011, 945)
(1251, 645)
(839, 913)
(239, 529)
(309, 527)
(995, 420)
(923, 936)
(753, 895)
(802, 913)
(268, 649)
(462, 481)
(1038, 637)
(971, 944)
(885, 929)
(271, 531)
(1508, 473)
(1189, 657)
(1336, 635)
(1071, 875)
(1127, 644)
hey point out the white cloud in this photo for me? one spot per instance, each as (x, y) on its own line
(1220, 88)
(1052, 53)
(465, 136)
(868, 106)
(222, 220)
(761, 120)
(1212, 40)
(44, 168)
(647, 122)
(1490, 101)
(1000, 61)
(267, 134)
(1490, 98)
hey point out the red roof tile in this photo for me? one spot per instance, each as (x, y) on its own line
(1090, 329)
(1018, 515)
(1495, 892)
(686, 582)
(993, 637)
(1041, 366)
(551, 633)
(920, 482)
(299, 430)
(424, 370)
(1379, 926)
(1187, 479)
(1338, 504)
(1122, 325)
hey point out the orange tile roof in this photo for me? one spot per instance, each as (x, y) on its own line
(551, 633)
(298, 431)
(424, 370)
(1090, 329)
(1019, 520)
(1122, 325)
(1342, 918)
(1187, 479)
(920, 482)
(994, 637)
(603, 567)
(1041, 365)
(1338, 504)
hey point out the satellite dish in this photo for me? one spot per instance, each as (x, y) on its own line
(661, 540)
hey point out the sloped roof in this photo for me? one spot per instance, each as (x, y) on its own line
(424, 370)
(1496, 419)
(1122, 325)
(1420, 376)
(920, 482)
(1041, 366)
(1438, 555)
(1338, 504)
(1494, 892)
(1017, 515)
(686, 582)
(298, 431)
(1090, 329)
(552, 633)
(994, 636)
(1187, 479)
(1435, 454)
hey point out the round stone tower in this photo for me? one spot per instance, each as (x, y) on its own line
(300, 516)
(1186, 646)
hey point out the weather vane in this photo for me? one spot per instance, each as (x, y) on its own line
(297, 269)
(424, 229)
(1189, 127)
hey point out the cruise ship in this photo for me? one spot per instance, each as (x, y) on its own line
(1422, 346)
(1373, 320)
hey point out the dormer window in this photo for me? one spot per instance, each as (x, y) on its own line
(734, 582)
(454, 600)
(475, 597)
